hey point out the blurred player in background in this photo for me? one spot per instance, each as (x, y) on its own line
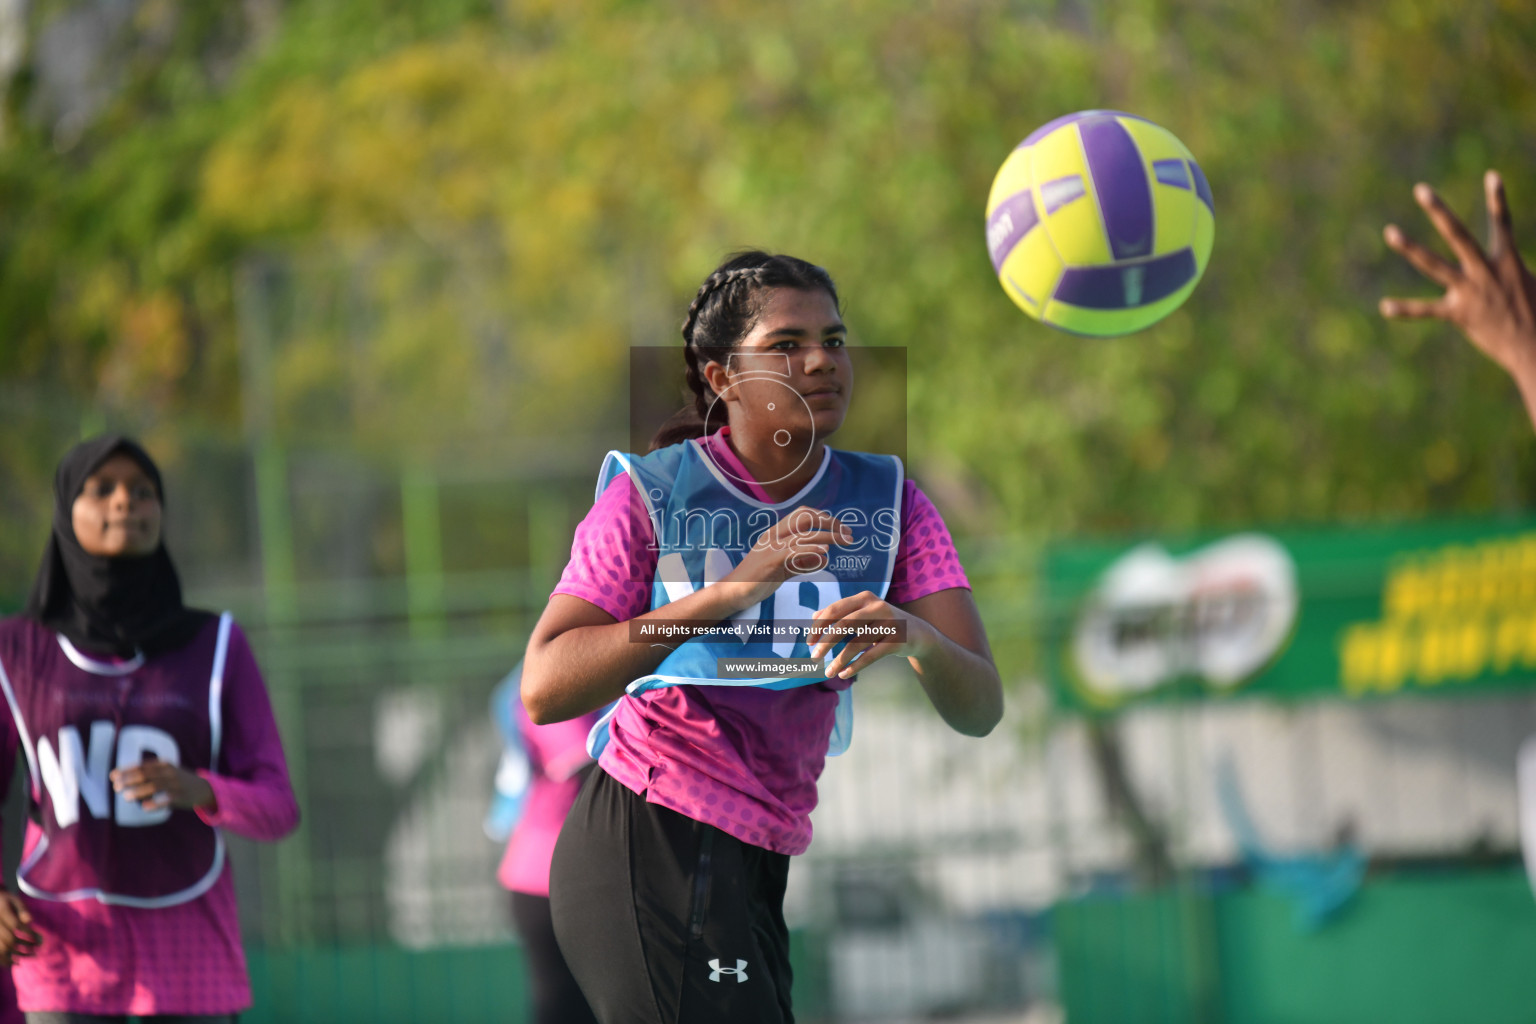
(541, 773)
(147, 729)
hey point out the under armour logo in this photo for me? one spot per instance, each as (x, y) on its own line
(740, 970)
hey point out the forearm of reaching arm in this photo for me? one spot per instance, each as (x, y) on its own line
(1524, 372)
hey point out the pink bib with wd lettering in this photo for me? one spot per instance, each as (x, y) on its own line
(79, 718)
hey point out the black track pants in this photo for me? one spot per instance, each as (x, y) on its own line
(665, 920)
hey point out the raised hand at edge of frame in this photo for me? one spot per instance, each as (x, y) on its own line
(1490, 296)
(17, 936)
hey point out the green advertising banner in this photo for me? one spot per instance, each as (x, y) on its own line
(1426, 608)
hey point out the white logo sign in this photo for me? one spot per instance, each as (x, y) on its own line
(1219, 614)
(740, 970)
(78, 772)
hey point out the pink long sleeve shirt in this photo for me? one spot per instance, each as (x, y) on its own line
(745, 760)
(111, 959)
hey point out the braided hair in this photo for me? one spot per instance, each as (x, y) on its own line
(724, 311)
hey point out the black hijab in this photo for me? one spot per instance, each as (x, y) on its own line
(108, 605)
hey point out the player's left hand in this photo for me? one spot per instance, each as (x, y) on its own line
(156, 784)
(865, 607)
(1490, 296)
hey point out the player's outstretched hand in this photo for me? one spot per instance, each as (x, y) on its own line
(1490, 296)
(155, 784)
(17, 936)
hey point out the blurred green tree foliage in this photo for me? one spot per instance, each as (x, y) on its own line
(606, 153)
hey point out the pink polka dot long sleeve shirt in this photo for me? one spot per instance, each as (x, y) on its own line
(743, 759)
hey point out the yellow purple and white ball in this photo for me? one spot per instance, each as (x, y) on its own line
(1100, 223)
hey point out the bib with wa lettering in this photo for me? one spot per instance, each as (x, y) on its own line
(79, 718)
(704, 523)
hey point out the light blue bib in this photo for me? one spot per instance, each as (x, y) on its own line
(705, 523)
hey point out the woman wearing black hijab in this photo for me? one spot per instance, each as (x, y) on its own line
(147, 730)
(106, 582)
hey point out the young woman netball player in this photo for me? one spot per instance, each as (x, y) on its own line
(147, 730)
(1490, 296)
(668, 880)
